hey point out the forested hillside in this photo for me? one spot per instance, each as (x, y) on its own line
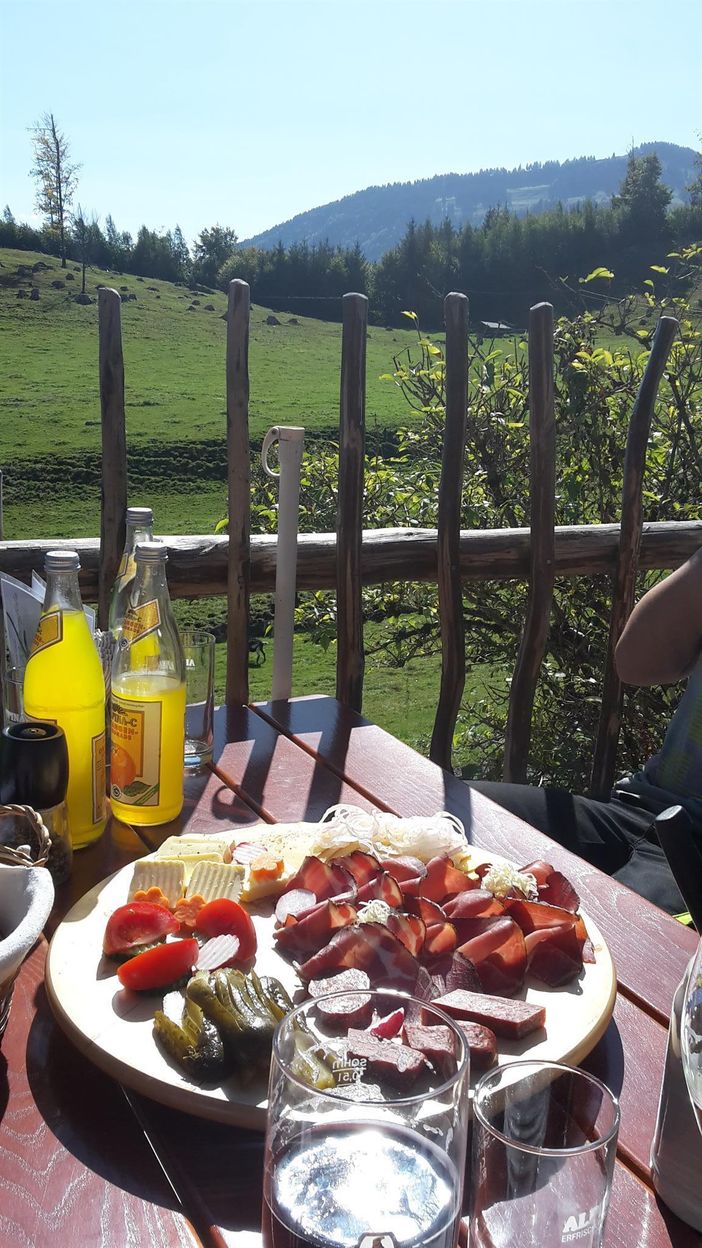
(377, 217)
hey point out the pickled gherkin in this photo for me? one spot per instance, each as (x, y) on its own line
(195, 1045)
(245, 1010)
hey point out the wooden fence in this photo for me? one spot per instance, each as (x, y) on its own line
(240, 564)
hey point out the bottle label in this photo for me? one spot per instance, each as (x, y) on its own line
(49, 631)
(99, 777)
(135, 759)
(140, 621)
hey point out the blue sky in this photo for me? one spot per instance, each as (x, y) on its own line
(248, 111)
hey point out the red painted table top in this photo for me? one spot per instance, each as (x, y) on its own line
(83, 1162)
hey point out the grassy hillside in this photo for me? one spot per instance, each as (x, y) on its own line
(174, 370)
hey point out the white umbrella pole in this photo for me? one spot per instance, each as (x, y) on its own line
(290, 446)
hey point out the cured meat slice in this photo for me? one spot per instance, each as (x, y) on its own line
(382, 887)
(363, 867)
(462, 974)
(368, 947)
(404, 868)
(396, 1063)
(440, 938)
(532, 916)
(554, 954)
(408, 928)
(554, 887)
(313, 930)
(539, 869)
(437, 1043)
(482, 1044)
(353, 1009)
(430, 911)
(344, 981)
(506, 1018)
(477, 903)
(498, 953)
(442, 880)
(324, 879)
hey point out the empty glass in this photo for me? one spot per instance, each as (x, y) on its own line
(12, 695)
(544, 1148)
(199, 649)
(361, 1152)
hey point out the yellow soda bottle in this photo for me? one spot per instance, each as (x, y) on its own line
(63, 683)
(148, 700)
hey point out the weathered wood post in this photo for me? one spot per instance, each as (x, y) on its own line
(349, 517)
(2, 515)
(542, 554)
(114, 446)
(239, 489)
(453, 651)
(624, 583)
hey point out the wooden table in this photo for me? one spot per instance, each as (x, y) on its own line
(84, 1162)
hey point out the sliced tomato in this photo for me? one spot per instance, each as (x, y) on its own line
(224, 917)
(159, 967)
(137, 923)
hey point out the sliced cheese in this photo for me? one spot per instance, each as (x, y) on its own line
(192, 848)
(216, 879)
(168, 876)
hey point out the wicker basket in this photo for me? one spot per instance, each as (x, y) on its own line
(22, 856)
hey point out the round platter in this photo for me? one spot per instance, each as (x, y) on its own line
(113, 1027)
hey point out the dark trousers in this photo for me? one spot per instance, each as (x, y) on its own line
(617, 836)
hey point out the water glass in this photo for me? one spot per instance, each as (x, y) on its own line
(12, 695)
(544, 1148)
(360, 1154)
(199, 648)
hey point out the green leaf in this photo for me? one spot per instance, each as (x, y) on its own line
(412, 315)
(599, 272)
(221, 525)
(658, 268)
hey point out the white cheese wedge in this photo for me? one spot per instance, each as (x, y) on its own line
(150, 873)
(216, 879)
(192, 848)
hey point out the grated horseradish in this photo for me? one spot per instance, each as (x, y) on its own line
(376, 911)
(502, 876)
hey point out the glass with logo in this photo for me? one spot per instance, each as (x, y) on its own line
(544, 1148)
(367, 1125)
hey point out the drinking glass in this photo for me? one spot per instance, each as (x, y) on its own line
(691, 1034)
(360, 1154)
(544, 1147)
(199, 648)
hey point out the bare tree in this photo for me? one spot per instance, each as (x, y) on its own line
(55, 175)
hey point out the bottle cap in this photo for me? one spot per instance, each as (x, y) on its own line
(151, 552)
(61, 561)
(34, 765)
(141, 516)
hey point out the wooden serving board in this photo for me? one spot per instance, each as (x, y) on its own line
(113, 1027)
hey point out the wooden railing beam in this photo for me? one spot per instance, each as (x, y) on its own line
(197, 565)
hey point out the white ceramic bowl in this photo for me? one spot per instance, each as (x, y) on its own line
(26, 898)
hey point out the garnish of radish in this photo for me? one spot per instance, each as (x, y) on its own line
(389, 1026)
(247, 852)
(217, 952)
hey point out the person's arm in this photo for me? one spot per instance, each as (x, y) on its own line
(662, 639)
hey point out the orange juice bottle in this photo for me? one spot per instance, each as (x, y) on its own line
(64, 683)
(148, 700)
(139, 528)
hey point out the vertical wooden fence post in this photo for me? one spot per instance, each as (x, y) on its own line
(239, 488)
(624, 584)
(349, 517)
(542, 493)
(453, 651)
(114, 446)
(2, 514)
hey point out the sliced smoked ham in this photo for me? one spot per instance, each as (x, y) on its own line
(476, 903)
(363, 867)
(554, 954)
(498, 952)
(368, 947)
(383, 887)
(442, 880)
(553, 886)
(312, 931)
(324, 879)
(409, 929)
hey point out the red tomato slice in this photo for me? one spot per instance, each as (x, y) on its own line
(223, 917)
(159, 967)
(137, 923)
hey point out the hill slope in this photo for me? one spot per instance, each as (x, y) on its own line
(378, 216)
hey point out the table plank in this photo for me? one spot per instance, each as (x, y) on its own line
(652, 950)
(75, 1168)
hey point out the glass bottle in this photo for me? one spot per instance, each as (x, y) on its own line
(64, 684)
(148, 700)
(140, 528)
